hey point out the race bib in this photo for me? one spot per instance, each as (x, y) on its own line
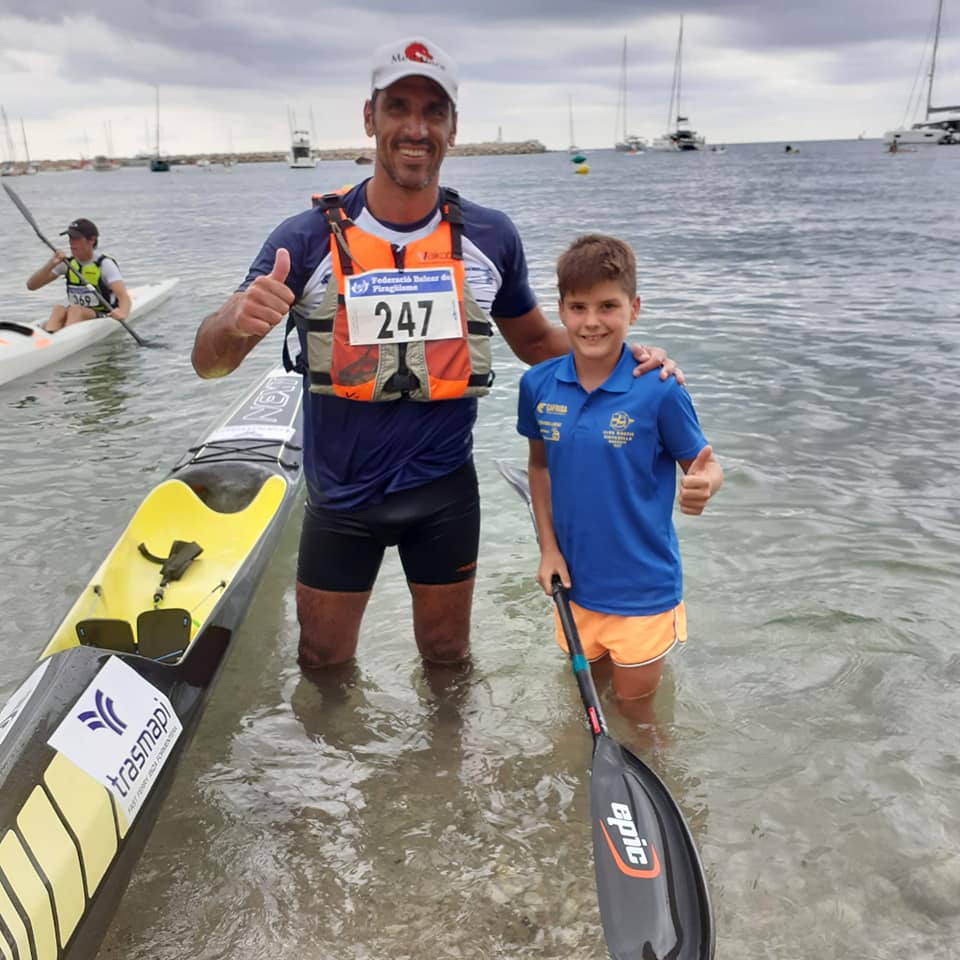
(400, 306)
(82, 297)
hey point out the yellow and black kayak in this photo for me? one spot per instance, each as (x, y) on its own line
(90, 741)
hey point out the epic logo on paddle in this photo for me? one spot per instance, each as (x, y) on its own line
(631, 852)
(120, 731)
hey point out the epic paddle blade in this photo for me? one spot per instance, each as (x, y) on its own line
(654, 903)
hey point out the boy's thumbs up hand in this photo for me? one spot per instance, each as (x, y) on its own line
(695, 484)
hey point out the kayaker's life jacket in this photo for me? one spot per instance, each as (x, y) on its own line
(397, 322)
(79, 293)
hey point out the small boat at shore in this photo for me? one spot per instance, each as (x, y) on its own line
(301, 157)
(91, 740)
(26, 347)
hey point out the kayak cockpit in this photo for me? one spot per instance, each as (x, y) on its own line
(177, 557)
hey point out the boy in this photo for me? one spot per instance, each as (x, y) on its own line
(603, 449)
(85, 267)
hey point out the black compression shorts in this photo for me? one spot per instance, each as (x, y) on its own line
(435, 527)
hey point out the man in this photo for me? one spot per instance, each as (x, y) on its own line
(387, 463)
(88, 274)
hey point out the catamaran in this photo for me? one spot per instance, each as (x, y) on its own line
(934, 132)
(679, 135)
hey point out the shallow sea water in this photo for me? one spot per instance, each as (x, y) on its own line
(808, 729)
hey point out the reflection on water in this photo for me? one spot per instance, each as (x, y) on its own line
(808, 728)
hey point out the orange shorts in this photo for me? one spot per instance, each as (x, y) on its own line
(630, 641)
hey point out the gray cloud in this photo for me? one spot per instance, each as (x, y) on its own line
(300, 40)
(739, 54)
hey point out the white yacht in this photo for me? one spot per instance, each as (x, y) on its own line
(300, 156)
(679, 136)
(932, 132)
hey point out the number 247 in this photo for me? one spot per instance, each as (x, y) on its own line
(405, 320)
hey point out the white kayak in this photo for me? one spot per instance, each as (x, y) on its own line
(25, 347)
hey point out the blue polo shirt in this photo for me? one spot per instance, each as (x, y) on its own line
(612, 456)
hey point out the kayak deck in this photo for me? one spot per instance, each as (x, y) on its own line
(25, 348)
(126, 604)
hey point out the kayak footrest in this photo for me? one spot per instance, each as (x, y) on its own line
(114, 635)
(161, 634)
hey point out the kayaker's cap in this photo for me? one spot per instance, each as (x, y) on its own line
(414, 57)
(82, 228)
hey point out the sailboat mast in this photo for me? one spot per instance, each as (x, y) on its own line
(623, 81)
(26, 152)
(570, 101)
(933, 59)
(6, 133)
(158, 122)
(679, 71)
(675, 86)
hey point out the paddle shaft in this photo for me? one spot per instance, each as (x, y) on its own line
(581, 667)
(21, 206)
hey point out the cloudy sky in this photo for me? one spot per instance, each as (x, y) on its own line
(230, 72)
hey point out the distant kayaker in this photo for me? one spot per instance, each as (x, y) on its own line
(84, 268)
(394, 322)
(604, 448)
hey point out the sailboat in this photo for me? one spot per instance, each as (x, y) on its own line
(158, 164)
(943, 132)
(628, 142)
(104, 163)
(679, 135)
(573, 148)
(11, 168)
(28, 167)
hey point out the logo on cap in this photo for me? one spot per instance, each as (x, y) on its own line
(418, 53)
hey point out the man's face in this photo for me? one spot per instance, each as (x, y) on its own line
(414, 122)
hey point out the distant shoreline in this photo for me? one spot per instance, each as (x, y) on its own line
(490, 149)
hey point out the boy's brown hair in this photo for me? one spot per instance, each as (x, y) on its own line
(596, 258)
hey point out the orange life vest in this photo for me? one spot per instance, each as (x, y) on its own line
(419, 369)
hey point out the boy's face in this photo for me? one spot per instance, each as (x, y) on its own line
(81, 248)
(598, 319)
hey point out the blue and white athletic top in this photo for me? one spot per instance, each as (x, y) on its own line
(356, 453)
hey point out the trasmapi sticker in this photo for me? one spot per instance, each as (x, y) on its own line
(121, 731)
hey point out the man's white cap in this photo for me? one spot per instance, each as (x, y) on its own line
(414, 57)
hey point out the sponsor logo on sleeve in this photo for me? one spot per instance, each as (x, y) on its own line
(120, 731)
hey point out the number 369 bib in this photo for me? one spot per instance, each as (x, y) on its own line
(400, 306)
